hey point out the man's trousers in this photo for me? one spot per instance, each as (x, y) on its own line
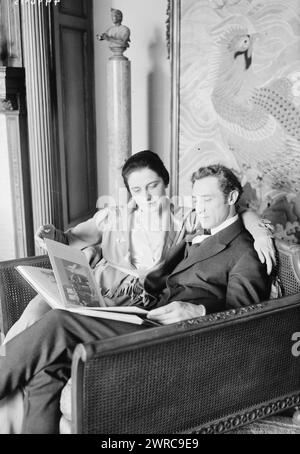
(39, 359)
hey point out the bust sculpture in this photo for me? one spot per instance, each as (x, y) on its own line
(118, 35)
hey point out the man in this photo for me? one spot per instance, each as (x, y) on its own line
(221, 270)
(217, 271)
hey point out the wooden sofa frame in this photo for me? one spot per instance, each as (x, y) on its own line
(206, 375)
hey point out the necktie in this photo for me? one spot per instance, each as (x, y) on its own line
(201, 237)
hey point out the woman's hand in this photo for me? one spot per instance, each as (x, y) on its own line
(45, 231)
(50, 232)
(176, 312)
(262, 233)
(264, 247)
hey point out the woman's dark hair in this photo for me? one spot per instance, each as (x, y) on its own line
(145, 159)
(227, 180)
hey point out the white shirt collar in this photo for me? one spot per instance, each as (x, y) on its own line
(199, 238)
(224, 224)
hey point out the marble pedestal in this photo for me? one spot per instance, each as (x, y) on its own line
(118, 121)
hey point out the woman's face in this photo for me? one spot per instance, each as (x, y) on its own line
(146, 188)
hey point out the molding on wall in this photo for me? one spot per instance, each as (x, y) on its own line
(168, 30)
(174, 12)
(18, 183)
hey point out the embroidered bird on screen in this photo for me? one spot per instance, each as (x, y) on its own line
(260, 121)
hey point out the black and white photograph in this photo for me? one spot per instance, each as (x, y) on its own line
(149, 220)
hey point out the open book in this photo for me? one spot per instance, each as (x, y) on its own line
(70, 285)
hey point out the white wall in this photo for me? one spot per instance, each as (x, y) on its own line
(150, 75)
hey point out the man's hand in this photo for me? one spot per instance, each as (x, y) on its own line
(93, 255)
(176, 312)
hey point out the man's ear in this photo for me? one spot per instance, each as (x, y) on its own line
(232, 197)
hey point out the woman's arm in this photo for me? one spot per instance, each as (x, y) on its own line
(88, 233)
(262, 236)
(84, 234)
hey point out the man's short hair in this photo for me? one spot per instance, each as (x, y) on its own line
(228, 181)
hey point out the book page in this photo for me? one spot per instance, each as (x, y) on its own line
(120, 309)
(44, 283)
(121, 317)
(74, 277)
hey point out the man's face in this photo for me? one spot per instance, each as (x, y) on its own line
(211, 207)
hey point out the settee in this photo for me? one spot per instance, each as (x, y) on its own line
(207, 375)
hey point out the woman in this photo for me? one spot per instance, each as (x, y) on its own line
(131, 241)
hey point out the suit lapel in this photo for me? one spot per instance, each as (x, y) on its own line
(209, 247)
(199, 252)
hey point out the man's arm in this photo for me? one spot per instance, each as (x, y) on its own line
(248, 282)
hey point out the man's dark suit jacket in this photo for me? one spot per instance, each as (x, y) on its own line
(222, 272)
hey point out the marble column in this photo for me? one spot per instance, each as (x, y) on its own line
(40, 130)
(119, 121)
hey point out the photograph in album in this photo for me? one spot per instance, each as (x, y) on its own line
(74, 277)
